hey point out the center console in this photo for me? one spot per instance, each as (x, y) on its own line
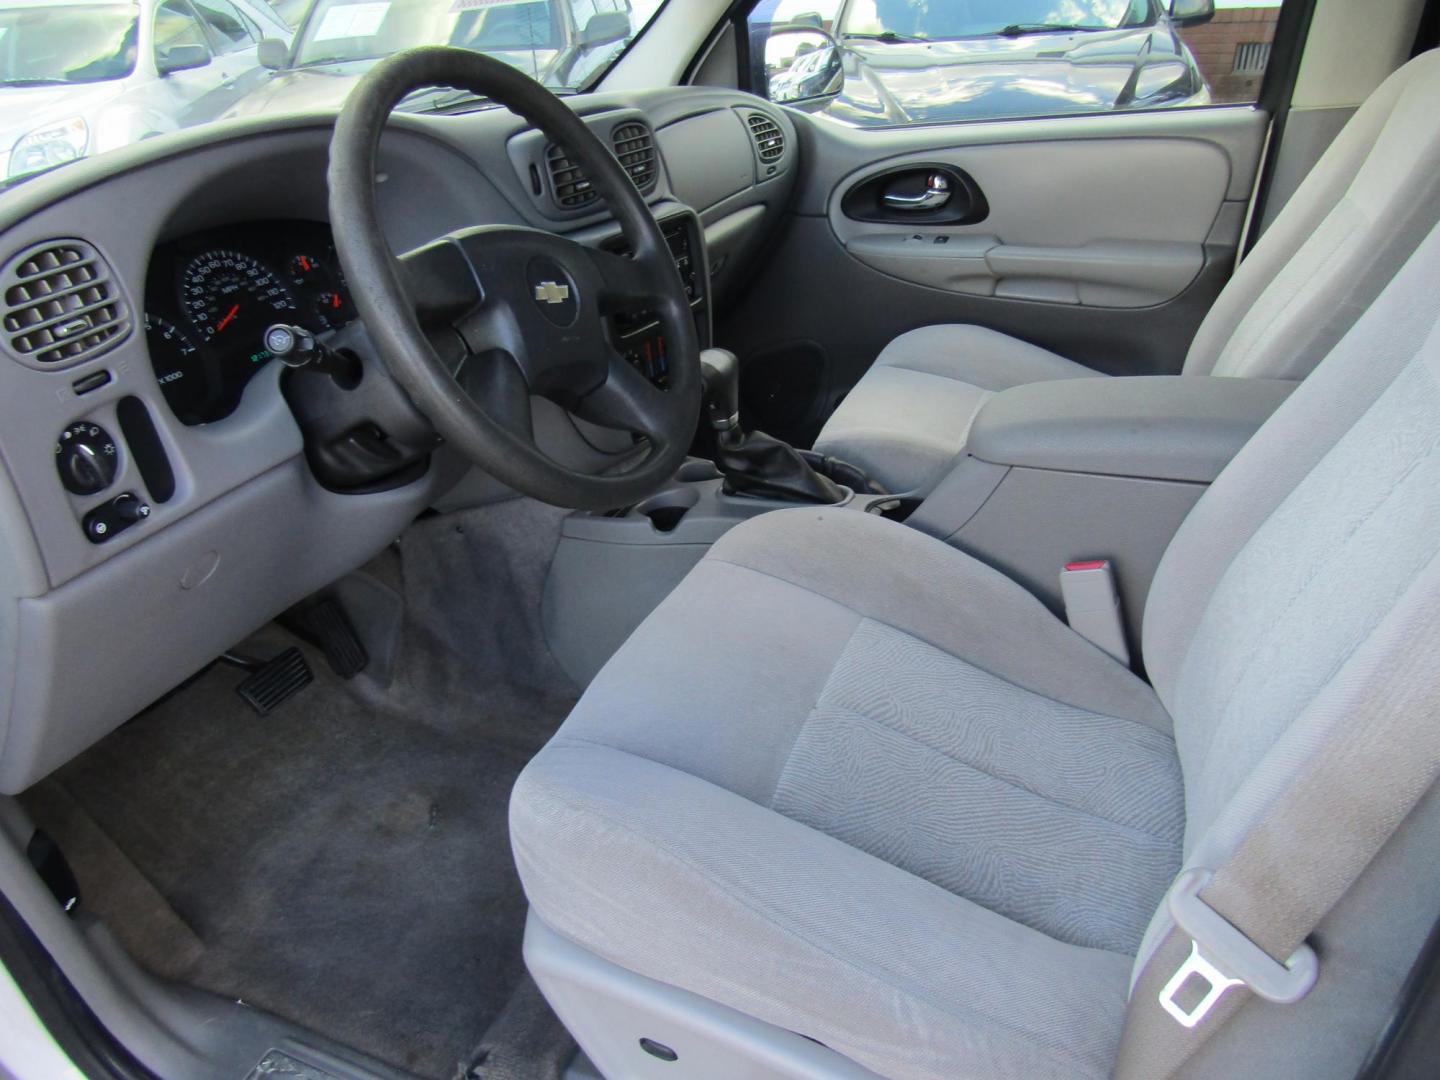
(637, 335)
(1054, 472)
(1092, 469)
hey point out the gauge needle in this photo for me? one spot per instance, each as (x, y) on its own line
(228, 319)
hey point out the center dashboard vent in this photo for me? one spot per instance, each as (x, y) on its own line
(634, 147)
(769, 139)
(568, 181)
(61, 304)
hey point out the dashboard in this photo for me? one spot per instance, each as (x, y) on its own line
(211, 295)
(160, 493)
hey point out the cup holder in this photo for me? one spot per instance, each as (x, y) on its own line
(667, 509)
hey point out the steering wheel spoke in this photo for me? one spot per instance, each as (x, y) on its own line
(624, 284)
(495, 383)
(441, 282)
(626, 400)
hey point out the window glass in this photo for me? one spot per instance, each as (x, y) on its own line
(227, 26)
(175, 26)
(63, 45)
(58, 46)
(887, 63)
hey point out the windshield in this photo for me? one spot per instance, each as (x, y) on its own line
(175, 64)
(562, 43)
(80, 44)
(941, 20)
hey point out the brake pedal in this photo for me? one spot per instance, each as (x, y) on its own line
(324, 624)
(336, 637)
(276, 681)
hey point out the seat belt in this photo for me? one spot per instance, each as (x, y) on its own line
(1234, 926)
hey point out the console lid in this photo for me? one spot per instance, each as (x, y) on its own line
(1166, 427)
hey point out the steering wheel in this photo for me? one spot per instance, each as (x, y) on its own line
(474, 323)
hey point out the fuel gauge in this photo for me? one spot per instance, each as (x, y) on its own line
(331, 310)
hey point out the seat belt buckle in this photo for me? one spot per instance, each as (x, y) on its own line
(1229, 958)
(1092, 606)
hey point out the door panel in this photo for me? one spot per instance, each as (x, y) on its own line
(1104, 238)
(1070, 222)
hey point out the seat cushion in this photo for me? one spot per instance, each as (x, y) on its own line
(858, 785)
(908, 418)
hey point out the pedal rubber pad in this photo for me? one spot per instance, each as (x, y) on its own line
(276, 682)
(332, 631)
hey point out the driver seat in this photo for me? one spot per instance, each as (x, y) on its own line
(851, 803)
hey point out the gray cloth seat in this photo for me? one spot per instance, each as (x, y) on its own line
(850, 782)
(1352, 222)
(937, 788)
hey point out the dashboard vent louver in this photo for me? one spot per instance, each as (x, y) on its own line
(62, 304)
(568, 181)
(769, 139)
(635, 148)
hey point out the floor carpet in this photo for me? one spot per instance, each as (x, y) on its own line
(345, 862)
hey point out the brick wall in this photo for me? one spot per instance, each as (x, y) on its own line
(1214, 45)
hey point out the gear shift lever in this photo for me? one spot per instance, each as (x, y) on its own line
(720, 372)
(755, 463)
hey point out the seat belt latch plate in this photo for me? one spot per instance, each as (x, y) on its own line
(1230, 958)
(1195, 965)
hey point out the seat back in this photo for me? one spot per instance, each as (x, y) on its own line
(1353, 222)
(1307, 571)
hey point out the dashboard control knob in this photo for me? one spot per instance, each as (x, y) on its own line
(87, 458)
(114, 517)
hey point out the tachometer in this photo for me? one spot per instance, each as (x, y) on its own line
(231, 296)
(187, 382)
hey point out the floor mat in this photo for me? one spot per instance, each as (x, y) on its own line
(345, 861)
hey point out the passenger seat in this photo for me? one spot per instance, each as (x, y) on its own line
(1357, 217)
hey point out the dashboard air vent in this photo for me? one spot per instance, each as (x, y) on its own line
(568, 181)
(635, 147)
(769, 139)
(62, 305)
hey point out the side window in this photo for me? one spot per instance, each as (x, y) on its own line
(227, 26)
(888, 63)
(175, 24)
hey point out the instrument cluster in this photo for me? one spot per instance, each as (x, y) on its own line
(210, 296)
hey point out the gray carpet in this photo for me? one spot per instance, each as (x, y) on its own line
(345, 862)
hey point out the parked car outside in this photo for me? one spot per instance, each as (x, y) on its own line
(78, 79)
(894, 62)
(560, 43)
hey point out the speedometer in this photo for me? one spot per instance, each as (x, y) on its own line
(230, 296)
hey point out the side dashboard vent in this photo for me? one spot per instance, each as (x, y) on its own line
(62, 304)
(635, 147)
(769, 139)
(568, 181)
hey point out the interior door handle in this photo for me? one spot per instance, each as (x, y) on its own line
(935, 195)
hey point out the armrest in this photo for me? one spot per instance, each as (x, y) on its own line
(1164, 427)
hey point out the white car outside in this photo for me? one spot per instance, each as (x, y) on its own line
(79, 78)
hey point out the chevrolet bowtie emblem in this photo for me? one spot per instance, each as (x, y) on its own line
(552, 292)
